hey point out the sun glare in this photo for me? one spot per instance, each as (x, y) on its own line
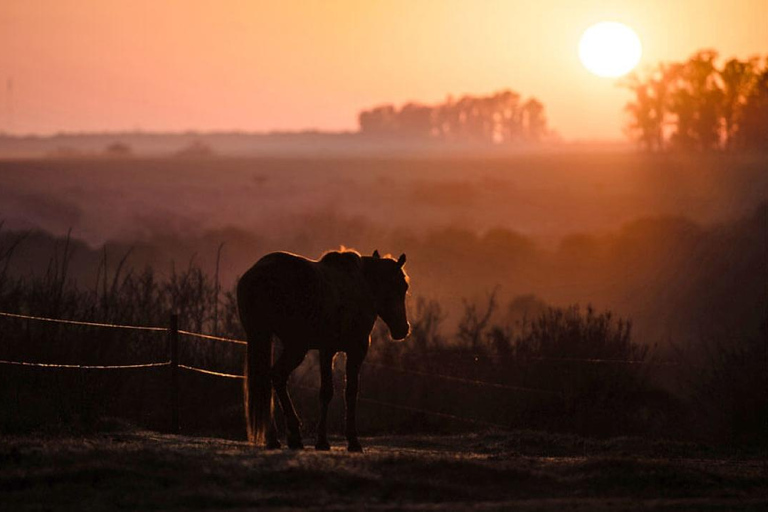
(609, 49)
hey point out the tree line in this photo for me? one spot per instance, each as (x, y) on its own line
(697, 105)
(500, 118)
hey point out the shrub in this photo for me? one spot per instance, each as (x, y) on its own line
(729, 389)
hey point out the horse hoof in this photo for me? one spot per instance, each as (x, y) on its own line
(354, 446)
(322, 446)
(295, 444)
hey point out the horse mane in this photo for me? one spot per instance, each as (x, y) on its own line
(346, 259)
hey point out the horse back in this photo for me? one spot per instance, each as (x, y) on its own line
(296, 297)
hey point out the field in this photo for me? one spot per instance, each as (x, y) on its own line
(608, 229)
(133, 469)
(674, 246)
(542, 195)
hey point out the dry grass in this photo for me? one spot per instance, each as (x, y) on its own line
(522, 470)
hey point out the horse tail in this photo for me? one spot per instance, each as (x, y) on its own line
(258, 387)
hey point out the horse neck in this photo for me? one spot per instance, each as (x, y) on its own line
(368, 275)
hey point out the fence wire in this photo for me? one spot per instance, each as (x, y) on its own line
(604, 361)
(86, 366)
(363, 399)
(211, 372)
(210, 337)
(432, 413)
(525, 359)
(462, 380)
(242, 342)
(418, 410)
(87, 324)
(419, 373)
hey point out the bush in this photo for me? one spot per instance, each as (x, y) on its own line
(593, 375)
(729, 389)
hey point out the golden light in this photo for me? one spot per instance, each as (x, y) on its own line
(609, 49)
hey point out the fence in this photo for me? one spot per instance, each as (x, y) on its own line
(173, 332)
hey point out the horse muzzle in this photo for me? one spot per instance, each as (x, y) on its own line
(401, 334)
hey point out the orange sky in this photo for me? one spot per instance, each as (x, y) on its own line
(93, 65)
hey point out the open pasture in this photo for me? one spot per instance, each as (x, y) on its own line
(522, 470)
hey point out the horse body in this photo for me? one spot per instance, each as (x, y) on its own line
(329, 305)
(315, 304)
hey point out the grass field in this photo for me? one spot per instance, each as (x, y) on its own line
(617, 230)
(676, 244)
(140, 470)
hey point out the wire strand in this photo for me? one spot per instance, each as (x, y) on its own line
(463, 380)
(88, 324)
(432, 413)
(86, 366)
(210, 372)
(414, 409)
(605, 361)
(210, 337)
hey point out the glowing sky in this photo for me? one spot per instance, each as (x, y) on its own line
(93, 65)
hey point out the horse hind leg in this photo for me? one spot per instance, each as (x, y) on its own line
(354, 361)
(258, 395)
(326, 394)
(288, 361)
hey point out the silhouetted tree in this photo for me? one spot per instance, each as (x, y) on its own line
(415, 120)
(737, 77)
(118, 150)
(650, 108)
(509, 121)
(196, 149)
(696, 106)
(709, 96)
(474, 323)
(499, 118)
(753, 129)
(534, 121)
(378, 121)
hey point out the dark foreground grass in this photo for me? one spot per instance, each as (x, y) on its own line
(130, 469)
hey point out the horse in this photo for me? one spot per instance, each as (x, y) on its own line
(330, 305)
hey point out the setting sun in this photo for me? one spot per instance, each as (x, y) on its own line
(609, 49)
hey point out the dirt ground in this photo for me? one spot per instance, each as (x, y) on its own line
(141, 470)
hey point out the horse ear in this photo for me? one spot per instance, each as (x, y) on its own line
(401, 260)
(376, 254)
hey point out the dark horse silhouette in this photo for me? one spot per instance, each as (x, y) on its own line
(329, 305)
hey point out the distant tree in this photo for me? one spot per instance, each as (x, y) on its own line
(64, 152)
(643, 126)
(535, 124)
(696, 106)
(378, 121)
(499, 118)
(118, 149)
(738, 78)
(475, 321)
(196, 149)
(696, 102)
(415, 120)
(650, 108)
(753, 128)
(509, 124)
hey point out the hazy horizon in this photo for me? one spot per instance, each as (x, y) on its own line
(118, 66)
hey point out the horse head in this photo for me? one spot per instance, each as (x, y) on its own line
(389, 283)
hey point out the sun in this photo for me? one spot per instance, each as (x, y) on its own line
(610, 49)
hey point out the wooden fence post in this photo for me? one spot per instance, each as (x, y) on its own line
(174, 342)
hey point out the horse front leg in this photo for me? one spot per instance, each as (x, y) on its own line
(326, 394)
(354, 362)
